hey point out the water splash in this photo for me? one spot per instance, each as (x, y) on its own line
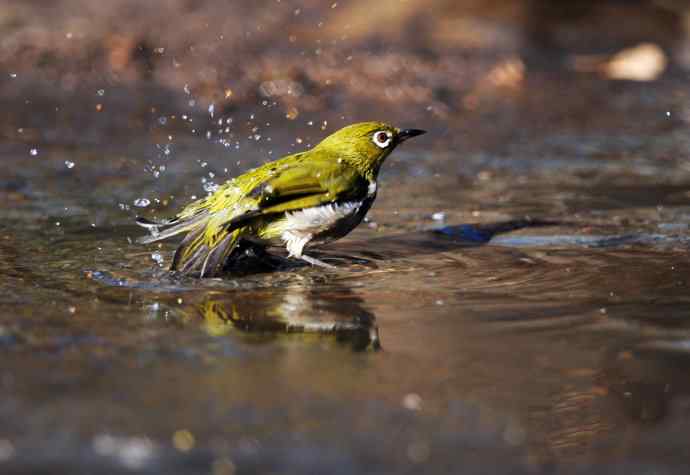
(158, 258)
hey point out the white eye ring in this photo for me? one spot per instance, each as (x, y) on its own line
(382, 138)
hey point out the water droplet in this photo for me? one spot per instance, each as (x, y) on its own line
(412, 402)
(101, 92)
(33, 152)
(186, 89)
(210, 187)
(163, 120)
(13, 75)
(183, 440)
(142, 202)
(157, 257)
(292, 113)
(211, 110)
(439, 216)
(69, 164)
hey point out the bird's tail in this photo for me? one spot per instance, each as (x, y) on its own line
(197, 252)
(164, 229)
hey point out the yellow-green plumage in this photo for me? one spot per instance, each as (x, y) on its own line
(307, 198)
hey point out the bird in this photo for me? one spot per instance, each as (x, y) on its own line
(298, 201)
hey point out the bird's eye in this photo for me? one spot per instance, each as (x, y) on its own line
(382, 139)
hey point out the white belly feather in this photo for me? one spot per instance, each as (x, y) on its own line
(303, 225)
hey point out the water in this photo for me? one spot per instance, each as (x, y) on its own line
(519, 312)
(517, 301)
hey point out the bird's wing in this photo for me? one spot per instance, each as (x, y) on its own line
(214, 223)
(298, 187)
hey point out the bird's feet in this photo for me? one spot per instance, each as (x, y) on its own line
(315, 262)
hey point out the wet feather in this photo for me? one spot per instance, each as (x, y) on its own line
(299, 200)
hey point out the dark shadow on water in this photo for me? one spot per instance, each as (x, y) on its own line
(443, 239)
(255, 260)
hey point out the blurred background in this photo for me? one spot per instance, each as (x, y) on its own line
(116, 66)
(524, 269)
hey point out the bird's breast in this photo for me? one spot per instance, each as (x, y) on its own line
(317, 224)
(333, 218)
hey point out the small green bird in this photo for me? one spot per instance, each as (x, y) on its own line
(300, 200)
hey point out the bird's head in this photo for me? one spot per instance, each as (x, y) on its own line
(365, 145)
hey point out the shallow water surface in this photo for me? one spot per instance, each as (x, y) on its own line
(525, 320)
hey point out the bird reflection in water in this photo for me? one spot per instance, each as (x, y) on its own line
(273, 312)
(319, 303)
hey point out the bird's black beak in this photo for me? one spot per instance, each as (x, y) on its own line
(405, 134)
